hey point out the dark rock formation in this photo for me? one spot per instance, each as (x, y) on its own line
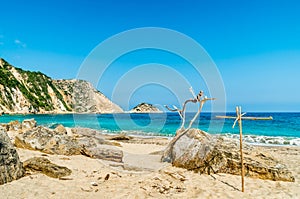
(11, 168)
(145, 108)
(43, 165)
(196, 150)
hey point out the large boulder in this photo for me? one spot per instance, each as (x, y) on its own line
(86, 142)
(48, 141)
(196, 150)
(43, 165)
(11, 168)
(28, 124)
(14, 126)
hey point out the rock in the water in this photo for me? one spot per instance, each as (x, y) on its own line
(145, 108)
(43, 165)
(11, 168)
(196, 150)
(28, 124)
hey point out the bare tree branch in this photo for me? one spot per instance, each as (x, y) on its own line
(197, 99)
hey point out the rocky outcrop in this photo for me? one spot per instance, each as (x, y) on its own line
(84, 98)
(198, 151)
(48, 141)
(145, 108)
(84, 141)
(11, 168)
(34, 92)
(28, 124)
(43, 165)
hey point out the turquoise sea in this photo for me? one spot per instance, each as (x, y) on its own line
(284, 129)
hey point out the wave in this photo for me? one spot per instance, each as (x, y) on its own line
(251, 139)
(266, 140)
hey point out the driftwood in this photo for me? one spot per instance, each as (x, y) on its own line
(200, 98)
(245, 118)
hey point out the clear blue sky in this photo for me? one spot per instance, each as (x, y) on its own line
(255, 44)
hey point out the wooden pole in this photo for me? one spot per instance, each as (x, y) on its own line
(245, 118)
(238, 118)
(239, 115)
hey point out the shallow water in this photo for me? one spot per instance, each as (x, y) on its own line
(283, 129)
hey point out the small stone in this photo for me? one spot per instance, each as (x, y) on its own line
(94, 184)
(106, 177)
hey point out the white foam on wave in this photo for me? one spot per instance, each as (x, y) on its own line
(266, 140)
(252, 139)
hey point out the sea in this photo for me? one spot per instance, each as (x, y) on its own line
(283, 129)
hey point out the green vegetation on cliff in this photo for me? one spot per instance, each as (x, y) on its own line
(34, 92)
(33, 86)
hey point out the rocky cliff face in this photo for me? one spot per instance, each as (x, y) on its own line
(145, 108)
(34, 92)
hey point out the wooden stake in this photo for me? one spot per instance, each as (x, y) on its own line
(239, 117)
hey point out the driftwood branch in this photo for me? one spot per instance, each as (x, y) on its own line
(197, 99)
(199, 110)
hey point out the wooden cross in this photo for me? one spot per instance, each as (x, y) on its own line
(238, 118)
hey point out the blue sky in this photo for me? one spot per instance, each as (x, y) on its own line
(255, 44)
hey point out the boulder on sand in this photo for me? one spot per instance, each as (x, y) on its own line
(11, 168)
(28, 124)
(196, 150)
(85, 142)
(43, 165)
(48, 141)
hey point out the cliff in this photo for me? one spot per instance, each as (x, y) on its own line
(34, 92)
(145, 108)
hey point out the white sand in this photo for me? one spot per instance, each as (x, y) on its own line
(154, 180)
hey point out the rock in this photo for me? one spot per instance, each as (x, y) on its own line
(104, 153)
(61, 129)
(48, 141)
(95, 184)
(28, 124)
(145, 108)
(121, 136)
(14, 126)
(69, 132)
(198, 151)
(4, 126)
(43, 165)
(11, 168)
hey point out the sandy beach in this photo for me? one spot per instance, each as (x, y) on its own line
(142, 175)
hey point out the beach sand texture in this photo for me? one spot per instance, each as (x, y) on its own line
(144, 176)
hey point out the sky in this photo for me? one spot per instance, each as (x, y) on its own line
(254, 44)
